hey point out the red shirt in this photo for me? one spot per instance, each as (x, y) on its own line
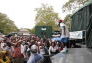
(17, 53)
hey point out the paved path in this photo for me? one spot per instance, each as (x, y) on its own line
(75, 55)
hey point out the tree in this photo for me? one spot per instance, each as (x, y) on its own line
(46, 16)
(32, 30)
(68, 20)
(73, 5)
(6, 25)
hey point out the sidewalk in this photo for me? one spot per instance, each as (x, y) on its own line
(75, 55)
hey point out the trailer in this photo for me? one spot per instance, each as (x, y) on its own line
(82, 20)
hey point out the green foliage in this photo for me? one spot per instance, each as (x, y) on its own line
(41, 23)
(73, 4)
(46, 16)
(32, 31)
(6, 25)
(68, 20)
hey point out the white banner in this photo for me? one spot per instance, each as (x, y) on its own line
(76, 35)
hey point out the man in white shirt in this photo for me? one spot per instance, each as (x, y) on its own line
(63, 29)
(64, 34)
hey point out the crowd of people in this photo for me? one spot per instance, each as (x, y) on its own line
(30, 49)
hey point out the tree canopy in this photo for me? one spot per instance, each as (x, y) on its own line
(46, 16)
(68, 20)
(6, 25)
(72, 5)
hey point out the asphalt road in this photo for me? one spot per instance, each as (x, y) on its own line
(75, 55)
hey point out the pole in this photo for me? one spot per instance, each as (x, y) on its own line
(85, 38)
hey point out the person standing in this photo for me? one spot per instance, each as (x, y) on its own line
(64, 34)
(17, 56)
(53, 49)
(35, 58)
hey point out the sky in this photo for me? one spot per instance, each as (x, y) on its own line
(22, 11)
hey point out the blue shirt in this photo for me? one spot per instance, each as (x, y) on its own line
(35, 58)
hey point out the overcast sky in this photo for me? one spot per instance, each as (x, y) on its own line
(22, 11)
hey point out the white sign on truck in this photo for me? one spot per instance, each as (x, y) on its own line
(76, 35)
